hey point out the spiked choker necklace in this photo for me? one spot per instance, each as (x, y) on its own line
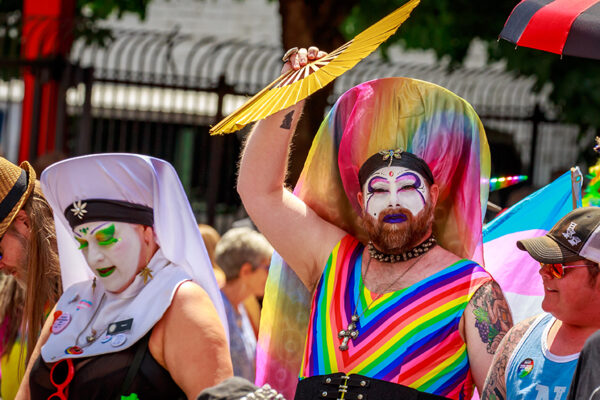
(416, 251)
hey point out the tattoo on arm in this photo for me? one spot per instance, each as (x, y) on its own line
(287, 120)
(495, 383)
(492, 315)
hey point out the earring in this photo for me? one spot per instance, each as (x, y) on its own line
(146, 273)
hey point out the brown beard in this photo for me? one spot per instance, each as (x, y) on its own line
(399, 237)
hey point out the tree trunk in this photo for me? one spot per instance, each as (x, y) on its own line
(306, 23)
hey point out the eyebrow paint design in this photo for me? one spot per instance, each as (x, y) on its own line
(98, 227)
(408, 175)
(374, 180)
(417, 183)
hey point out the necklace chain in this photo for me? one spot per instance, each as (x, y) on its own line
(351, 332)
(93, 336)
(382, 292)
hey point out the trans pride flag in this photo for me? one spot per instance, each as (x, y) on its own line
(514, 270)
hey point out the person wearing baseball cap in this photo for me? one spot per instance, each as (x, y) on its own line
(538, 356)
(28, 253)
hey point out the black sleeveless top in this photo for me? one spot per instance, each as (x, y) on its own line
(102, 377)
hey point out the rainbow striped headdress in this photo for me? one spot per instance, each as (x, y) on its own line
(420, 117)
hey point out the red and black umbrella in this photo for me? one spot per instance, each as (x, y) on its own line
(569, 27)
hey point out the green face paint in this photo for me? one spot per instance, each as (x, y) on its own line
(105, 237)
(104, 272)
(112, 251)
(82, 243)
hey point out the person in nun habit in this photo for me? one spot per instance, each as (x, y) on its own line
(143, 318)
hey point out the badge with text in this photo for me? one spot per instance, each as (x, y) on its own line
(525, 368)
(119, 326)
(60, 323)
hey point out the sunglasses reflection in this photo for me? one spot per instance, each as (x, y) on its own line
(557, 270)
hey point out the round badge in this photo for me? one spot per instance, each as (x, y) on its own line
(118, 340)
(61, 323)
(525, 368)
(73, 350)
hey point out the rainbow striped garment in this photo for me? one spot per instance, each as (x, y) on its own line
(409, 337)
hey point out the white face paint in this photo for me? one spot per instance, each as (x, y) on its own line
(393, 187)
(112, 251)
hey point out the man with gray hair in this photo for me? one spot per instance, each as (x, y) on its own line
(244, 255)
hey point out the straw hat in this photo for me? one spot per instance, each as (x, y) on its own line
(16, 184)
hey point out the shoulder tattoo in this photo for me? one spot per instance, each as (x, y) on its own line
(492, 315)
(495, 382)
(287, 120)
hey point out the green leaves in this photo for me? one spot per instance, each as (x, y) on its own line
(449, 26)
(481, 315)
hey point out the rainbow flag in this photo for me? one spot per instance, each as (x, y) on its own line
(514, 270)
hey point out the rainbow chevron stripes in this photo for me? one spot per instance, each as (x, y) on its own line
(409, 337)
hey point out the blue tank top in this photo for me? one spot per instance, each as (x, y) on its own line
(535, 373)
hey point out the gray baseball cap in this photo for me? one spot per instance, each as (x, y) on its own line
(575, 237)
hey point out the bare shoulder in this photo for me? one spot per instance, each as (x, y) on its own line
(516, 333)
(187, 292)
(191, 313)
(190, 341)
(191, 305)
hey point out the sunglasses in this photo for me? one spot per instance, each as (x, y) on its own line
(61, 376)
(558, 270)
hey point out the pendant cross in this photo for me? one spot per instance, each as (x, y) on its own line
(351, 332)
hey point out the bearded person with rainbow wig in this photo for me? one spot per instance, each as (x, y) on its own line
(375, 279)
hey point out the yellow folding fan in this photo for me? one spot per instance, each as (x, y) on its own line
(294, 86)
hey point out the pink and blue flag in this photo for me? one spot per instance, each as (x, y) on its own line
(514, 270)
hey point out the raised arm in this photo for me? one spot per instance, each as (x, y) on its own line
(298, 234)
(487, 319)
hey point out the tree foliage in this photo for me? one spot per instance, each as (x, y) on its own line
(449, 26)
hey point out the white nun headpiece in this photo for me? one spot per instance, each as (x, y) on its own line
(136, 179)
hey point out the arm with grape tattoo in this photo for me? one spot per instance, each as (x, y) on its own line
(492, 315)
(486, 320)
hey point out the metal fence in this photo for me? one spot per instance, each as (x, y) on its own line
(157, 93)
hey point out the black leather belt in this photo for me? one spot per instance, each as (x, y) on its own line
(340, 386)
